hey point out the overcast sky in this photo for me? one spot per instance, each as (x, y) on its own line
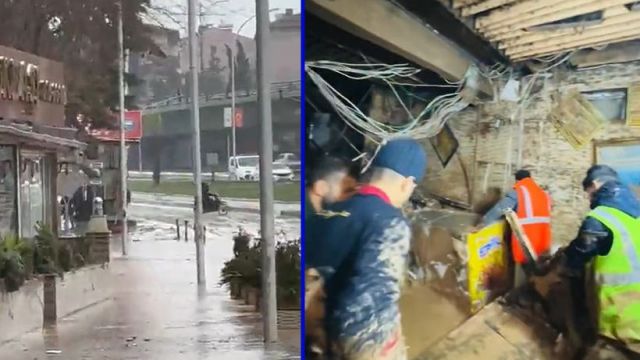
(231, 11)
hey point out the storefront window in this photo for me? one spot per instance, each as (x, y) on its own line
(8, 191)
(31, 193)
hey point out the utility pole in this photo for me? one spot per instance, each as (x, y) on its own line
(233, 78)
(123, 150)
(233, 100)
(195, 121)
(269, 312)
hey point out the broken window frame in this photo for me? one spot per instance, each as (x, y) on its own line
(609, 95)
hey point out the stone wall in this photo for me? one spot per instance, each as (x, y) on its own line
(488, 143)
(26, 309)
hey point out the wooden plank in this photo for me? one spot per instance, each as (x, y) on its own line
(631, 31)
(523, 9)
(633, 105)
(576, 119)
(496, 332)
(568, 40)
(618, 53)
(608, 42)
(521, 236)
(555, 16)
(462, 3)
(391, 27)
(514, 38)
(484, 6)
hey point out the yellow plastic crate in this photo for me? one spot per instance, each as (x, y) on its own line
(487, 254)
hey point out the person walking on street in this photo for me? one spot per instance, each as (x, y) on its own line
(360, 248)
(533, 209)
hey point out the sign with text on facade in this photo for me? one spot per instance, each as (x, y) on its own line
(31, 88)
(238, 118)
(133, 129)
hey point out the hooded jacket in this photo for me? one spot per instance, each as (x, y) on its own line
(594, 238)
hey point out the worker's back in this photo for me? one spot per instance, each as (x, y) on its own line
(534, 213)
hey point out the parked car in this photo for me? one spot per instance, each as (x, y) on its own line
(282, 172)
(246, 167)
(289, 159)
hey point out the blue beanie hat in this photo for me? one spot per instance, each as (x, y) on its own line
(602, 173)
(404, 156)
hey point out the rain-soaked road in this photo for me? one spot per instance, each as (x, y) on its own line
(158, 311)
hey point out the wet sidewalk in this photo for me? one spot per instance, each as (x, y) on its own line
(241, 205)
(158, 311)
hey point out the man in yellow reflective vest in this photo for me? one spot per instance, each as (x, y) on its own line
(610, 235)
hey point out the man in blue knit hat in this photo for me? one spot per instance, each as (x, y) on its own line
(360, 248)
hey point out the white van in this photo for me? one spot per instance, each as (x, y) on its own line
(244, 167)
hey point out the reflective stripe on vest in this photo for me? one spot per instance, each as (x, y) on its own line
(621, 279)
(528, 210)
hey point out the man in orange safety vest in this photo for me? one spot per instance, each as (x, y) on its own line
(533, 207)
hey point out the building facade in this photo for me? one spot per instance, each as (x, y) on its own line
(32, 139)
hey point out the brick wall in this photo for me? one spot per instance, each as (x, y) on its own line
(555, 164)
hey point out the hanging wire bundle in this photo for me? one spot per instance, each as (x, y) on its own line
(426, 124)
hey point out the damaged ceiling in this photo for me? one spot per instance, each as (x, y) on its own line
(527, 29)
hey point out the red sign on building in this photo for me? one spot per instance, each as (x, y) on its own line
(133, 129)
(239, 117)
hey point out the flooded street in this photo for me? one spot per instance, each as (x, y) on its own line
(158, 311)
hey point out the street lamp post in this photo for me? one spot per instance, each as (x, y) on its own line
(195, 123)
(123, 151)
(233, 81)
(269, 302)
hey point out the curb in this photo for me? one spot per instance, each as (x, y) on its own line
(249, 210)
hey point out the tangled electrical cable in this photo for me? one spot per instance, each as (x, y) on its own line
(440, 109)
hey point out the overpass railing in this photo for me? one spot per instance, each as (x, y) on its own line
(284, 89)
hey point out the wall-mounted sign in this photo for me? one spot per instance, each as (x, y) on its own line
(20, 81)
(238, 118)
(623, 156)
(132, 125)
(31, 88)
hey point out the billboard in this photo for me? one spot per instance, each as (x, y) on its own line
(133, 129)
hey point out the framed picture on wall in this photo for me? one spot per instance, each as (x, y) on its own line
(445, 145)
(623, 156)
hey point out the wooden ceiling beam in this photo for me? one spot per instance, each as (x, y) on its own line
(632, 32)
(524, 9)
(396, 30)
(515, 38)
(596, 5)
(568, 39)
(484, 6)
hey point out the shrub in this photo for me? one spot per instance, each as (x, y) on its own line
(46, 251)
(12, 265)
(246, 268)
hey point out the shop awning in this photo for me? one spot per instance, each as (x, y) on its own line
(18, 134)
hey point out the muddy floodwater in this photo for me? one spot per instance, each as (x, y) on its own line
(427, 316)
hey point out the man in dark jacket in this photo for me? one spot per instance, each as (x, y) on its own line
(329, 181)
(360, 248)
(594, 238)
(609, 235)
